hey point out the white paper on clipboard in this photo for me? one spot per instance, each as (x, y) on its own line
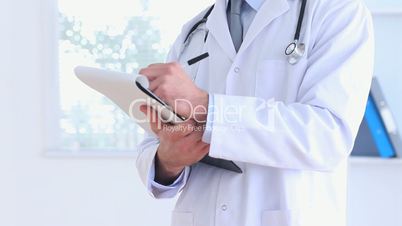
(128, 91)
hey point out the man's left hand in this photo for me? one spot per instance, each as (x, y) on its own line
(171, 83)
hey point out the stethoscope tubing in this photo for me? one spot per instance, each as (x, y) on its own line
(300, 20)
(290, 49)
(196, 25)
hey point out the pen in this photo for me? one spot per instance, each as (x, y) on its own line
(197, 58)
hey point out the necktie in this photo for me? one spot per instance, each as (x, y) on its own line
(235, 26)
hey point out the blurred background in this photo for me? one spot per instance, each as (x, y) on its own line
(67, 154)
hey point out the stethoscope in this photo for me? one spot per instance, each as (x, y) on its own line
(294, 51)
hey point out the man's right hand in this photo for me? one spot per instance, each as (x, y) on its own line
(180, 146)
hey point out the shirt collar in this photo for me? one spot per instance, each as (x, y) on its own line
(255, 4)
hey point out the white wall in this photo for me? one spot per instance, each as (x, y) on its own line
(40, 191)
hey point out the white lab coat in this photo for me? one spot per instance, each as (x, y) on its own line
(294, 172)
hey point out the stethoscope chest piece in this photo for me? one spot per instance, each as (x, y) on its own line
(295, 51)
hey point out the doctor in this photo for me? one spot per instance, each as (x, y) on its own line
(288, 125)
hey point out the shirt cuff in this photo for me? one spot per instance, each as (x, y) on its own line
(206, 137)
(167, 191)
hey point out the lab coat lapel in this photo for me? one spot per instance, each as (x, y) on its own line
(270, 10)
(218, 28)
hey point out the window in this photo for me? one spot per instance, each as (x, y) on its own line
(122, 35)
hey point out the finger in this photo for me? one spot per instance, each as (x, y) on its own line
(150, 73)
(201, 145)
(200, 150)
(205, 149)
(195, 136)
(182, 129)
(154, 121)
(166, 130)
(162, 93)
(154, 84)
(153, 72)
(168, 64)
(201, 142)
(156, 65)
(144, 108)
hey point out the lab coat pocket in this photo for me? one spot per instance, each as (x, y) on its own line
(270, 78)
(278, 79)
(302, 217)
(182, 218)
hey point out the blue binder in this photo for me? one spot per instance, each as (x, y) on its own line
(378, 134)
(377, 130)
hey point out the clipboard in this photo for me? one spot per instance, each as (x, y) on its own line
(129, 92)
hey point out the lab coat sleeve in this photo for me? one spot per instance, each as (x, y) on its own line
(147, 151)
(317, 131)
(146, 170)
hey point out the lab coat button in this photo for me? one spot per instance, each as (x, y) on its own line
(224, 207)
(236, 69)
